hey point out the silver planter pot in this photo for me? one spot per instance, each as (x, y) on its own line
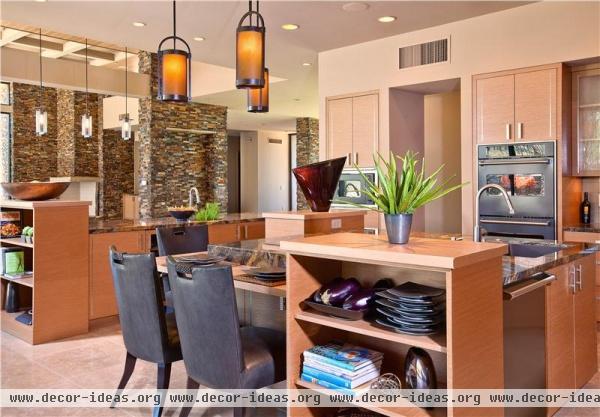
(398, 227)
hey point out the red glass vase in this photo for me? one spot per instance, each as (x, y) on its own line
(318, 182)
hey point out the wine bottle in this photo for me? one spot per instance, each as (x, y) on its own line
(586, 209)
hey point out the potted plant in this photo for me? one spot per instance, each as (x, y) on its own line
(399, 193)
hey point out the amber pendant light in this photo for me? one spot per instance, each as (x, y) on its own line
(250, 50)
(258, 98)
(174, 68)
(41, 116)
(86, 119)
(125, 120)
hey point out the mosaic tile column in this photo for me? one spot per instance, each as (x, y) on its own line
(33, 157)
(76, 155)
(116, 171)
(307, 149)
(173, 162)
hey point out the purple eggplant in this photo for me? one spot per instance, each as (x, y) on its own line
(335, 294)
(361, 300)
(317, 294)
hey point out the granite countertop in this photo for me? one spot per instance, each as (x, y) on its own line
(119, 225)
(249, 252)
(586, 228)
(517, 268)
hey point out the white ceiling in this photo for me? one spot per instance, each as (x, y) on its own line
(323, 25)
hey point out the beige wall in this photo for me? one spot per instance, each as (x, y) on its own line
(264, 171)
(539, 33)
(442, 142)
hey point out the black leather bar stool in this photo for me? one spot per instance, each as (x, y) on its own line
(148, 332)
(178, 240)
(217, 352)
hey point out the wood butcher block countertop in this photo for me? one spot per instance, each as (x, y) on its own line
(419, 251)
(309, 215)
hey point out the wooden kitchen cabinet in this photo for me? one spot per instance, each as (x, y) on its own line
(586, 355)
(253, 230)
(353, 128)
(102, 293)
(571, 346)
(234, 232)
(519, 105)
(586, 121)
(494, 103)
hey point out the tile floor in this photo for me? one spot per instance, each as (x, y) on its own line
(95, 360)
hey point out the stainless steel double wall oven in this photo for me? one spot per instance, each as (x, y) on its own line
(527, 171)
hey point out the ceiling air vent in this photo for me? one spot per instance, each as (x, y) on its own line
(424, 53)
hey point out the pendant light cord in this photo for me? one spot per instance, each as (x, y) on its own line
(126, 115)
(86, 77)
(174, 25)
(41, 84)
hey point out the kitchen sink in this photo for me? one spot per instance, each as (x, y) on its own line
(532, 251)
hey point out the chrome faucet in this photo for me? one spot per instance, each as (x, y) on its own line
(193, 191)
(511, 209)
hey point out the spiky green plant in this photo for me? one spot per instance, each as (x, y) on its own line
(402, 192)
(209, 212)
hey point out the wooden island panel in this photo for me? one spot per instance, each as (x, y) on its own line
(300, 223)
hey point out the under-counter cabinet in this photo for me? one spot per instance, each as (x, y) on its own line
(586, 121)
(571, 346)
(102, 292)
(353, 128)
(57, 293)
(519, 105)
(233, 232)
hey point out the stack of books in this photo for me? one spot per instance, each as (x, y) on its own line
(340, 366)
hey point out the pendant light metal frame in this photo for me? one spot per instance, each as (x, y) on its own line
(259, 27)
(86, 118)
(258, 98)
(41, 115)
(125, 120)
(165, 96)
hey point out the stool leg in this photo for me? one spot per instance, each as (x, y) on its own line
(191, 385)
(162, 383)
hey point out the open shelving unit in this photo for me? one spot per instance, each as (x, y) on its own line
(467, 354)
(57, 292)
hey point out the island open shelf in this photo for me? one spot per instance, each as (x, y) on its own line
(57, 293)
(469, 354)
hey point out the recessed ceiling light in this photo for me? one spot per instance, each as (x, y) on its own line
(387, 19)
(296, 99)
(199, 38)
(355, 6)
(306, 64)
(289, 26)
(139, 24)
(40, 1)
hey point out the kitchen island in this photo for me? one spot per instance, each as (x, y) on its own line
(469, 353)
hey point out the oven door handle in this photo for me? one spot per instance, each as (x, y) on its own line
(514, 161)
(519, 222)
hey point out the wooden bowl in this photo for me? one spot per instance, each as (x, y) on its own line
(35, 191)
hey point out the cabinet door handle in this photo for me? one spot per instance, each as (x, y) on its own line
(579, 281)
(519, 130)
(349, 158)
(572, 285)
(245, 231)
(507, 132)
(356, 158)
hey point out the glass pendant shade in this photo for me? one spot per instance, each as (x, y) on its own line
(125, 127)
(41, 121)
(86, 125)
(258, 98)
(250, 52)
(174, 66)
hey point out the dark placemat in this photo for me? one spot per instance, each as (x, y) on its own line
(253, 280)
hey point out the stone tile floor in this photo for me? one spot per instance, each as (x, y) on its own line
(95, 360)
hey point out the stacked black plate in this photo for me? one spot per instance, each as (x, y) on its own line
(412, 309)
(266, 273)
(185, 263)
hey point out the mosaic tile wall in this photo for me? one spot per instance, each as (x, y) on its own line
(33, 157)
(307, 149)
(172, 162)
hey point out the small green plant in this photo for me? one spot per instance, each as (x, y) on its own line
(402, 192)
(209, 212)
